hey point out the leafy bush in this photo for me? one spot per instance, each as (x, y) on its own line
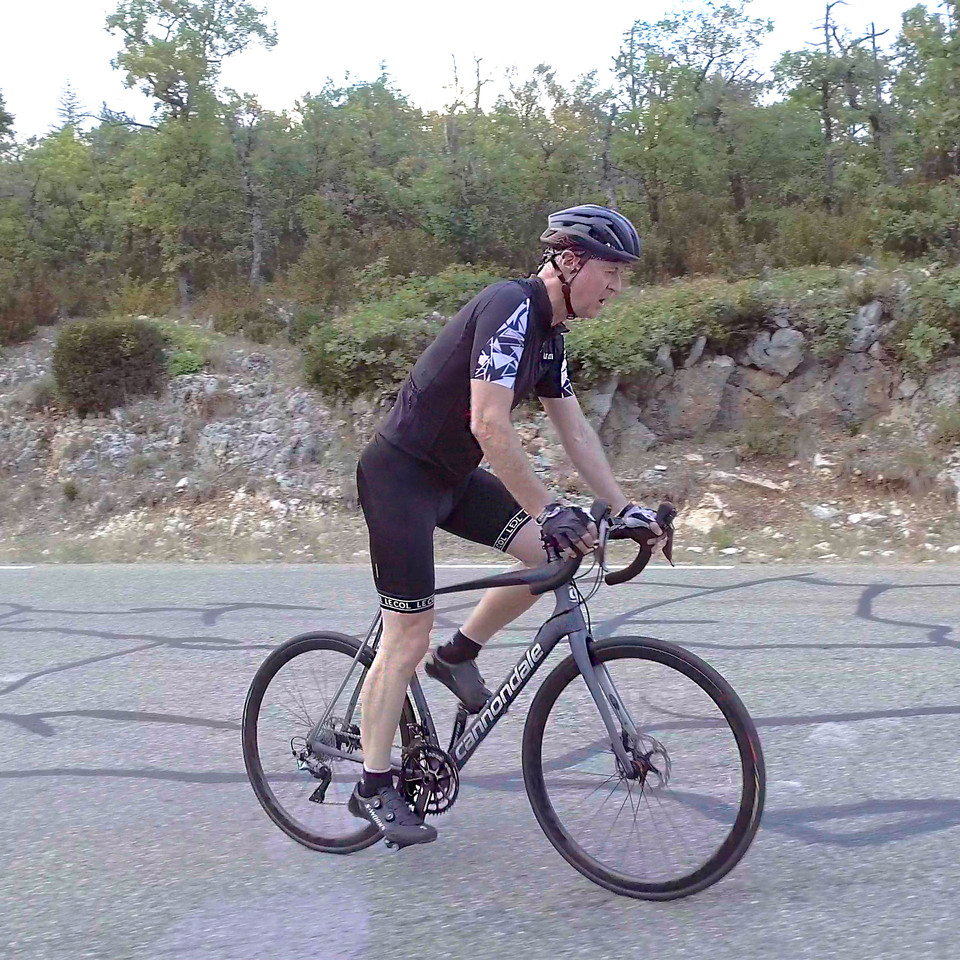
(23, 307)
(182, 362)
(365, 352)
(188, 346)
(923, 344)
(101, 364)
(946, 426)
(918, 220)
(130, 297)
(372, 348)
(255, 322)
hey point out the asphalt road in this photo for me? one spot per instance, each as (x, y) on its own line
(129, 829)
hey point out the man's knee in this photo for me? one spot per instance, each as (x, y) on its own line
(406, 637)
(527, 546)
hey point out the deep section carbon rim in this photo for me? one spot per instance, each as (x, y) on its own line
(691, 817)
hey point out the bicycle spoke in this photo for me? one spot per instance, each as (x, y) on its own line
(657, 833)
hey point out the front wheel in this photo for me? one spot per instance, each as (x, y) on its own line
(687, 812)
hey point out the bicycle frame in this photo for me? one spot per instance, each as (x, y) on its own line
(566, 621)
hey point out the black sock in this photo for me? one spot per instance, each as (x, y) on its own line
(460, 649)
(372, 782)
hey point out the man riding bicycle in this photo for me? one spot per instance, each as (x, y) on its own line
(421, 471)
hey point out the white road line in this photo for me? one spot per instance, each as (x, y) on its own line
(11, 567)
(653, 566)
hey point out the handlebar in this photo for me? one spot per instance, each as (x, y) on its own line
(556, 573)
(665, 514)
(610, 528)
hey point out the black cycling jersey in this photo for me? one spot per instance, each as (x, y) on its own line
(503, 335)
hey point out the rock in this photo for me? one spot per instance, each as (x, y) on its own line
(730, 551)
(864, 329)
(663, 359)
(698, 549)
(942, 389)
(820, 462)
(951, 477)
(822, 512)
(182, 484)
(623, 432)
(954, 549)
(660, 466)
(596, 403)
(861, 387)
(704, 517)
(256, 363)
(908, 387)
(758, 382)
(696, 352)
(692, 404)
(780, 352)
(807, 396)
(721, 476)
(693, 457)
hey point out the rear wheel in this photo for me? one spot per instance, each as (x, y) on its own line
(689, 816)
(304, 793)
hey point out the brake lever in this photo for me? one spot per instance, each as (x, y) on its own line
(665, 516)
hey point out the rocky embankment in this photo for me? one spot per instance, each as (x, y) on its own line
(773, 453)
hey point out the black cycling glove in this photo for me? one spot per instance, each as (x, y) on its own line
(564, 526)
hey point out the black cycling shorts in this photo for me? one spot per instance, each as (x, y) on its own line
(404, 501)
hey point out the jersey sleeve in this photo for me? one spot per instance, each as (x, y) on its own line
(555, 381)
(499, 336)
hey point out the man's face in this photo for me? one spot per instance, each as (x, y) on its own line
(597, 283)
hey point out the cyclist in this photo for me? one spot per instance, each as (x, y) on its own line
(421, 471)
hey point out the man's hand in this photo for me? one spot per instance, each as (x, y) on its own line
(570, 529)
(643, 518)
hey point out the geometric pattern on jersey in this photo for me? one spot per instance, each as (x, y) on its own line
(566, 387)
(499, 360)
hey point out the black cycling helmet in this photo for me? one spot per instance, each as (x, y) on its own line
(598, 231)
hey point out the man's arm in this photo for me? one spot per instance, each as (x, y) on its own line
(582, 445)
(491, 425)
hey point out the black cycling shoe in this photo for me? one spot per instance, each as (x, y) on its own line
(392, 816)
(462, 679)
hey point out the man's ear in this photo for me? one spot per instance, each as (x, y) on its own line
(569, 260)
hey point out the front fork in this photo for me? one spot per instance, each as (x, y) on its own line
(612, 711)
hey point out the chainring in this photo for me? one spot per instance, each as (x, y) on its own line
(429, 778)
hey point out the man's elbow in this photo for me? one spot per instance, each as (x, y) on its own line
(485, 426)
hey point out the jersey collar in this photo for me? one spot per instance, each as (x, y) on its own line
(543, 309)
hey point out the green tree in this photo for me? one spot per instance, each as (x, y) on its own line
(174, 49)
(927, 90)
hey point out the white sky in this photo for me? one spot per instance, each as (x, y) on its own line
(46, 43)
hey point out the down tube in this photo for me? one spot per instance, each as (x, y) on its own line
(547, 638)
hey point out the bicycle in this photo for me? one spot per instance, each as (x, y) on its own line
(581, 740)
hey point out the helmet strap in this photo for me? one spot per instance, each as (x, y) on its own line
(565, 284)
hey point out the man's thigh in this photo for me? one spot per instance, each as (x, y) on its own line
(486, 512)
(400, 507)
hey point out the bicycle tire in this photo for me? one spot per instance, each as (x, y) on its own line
(366, 834)
(750, 810)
